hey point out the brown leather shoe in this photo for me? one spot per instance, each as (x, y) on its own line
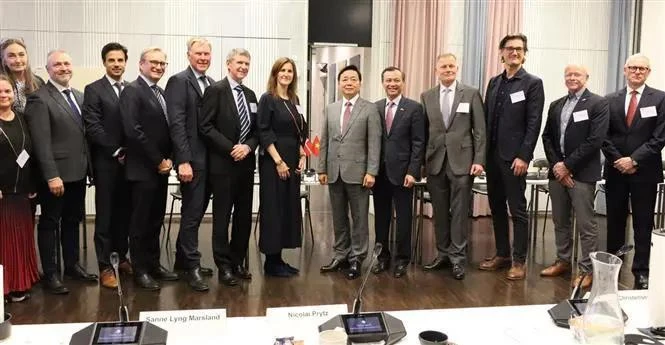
(126, 268)
(494, 263)
(558, 268)
(517, 271)
(586, 283)
(107, 279)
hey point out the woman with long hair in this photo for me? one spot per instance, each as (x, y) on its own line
(15, 65)
(17, 241)
(282, 132)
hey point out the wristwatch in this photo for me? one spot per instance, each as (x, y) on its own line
(634, 162)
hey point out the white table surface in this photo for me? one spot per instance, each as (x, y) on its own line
(514, 325)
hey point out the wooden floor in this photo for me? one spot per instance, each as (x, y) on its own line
(418, 290)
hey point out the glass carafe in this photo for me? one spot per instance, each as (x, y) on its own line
(603, 318)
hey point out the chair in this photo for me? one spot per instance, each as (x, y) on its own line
(542, 165)
(175, 196)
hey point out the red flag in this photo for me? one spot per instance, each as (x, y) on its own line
(308, 147)
(317, 146)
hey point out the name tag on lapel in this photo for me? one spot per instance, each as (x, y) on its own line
(252, 107)
(299, 108)
(581, 115)
(463, 108)
(517, 97)
(648, 112)
(22, 158)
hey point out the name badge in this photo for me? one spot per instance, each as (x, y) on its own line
(517, 97)
(298, 321)
(463, 108)
(252, 107)
(202, 322)
(299, 108)
(581, 115)
(648, 112)
(22, 158)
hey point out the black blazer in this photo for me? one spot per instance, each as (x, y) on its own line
(103, 123)
(58, 137)
(643, 141)
(183, 101)
(219, 126)
(518, 130)
(583, 137)
(402, 149)
(146, 131)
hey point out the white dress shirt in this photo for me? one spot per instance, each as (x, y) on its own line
(639, 90)
(61, 89)
(341, 115)
(233, 85)
(112, 82)
(451, 95)
(198, 76)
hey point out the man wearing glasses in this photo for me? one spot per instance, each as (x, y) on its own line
(513, 108)
(148, 164)
(633, 166)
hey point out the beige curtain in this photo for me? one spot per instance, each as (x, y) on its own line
(419, 38)
(503, 17)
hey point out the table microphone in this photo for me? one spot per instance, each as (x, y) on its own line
(357, 302)
(123, 313)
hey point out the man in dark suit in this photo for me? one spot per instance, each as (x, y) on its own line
(514, 109)
(349, 161)
(574, 132)
(184, 93)
(53, 114)
(455, 154)
(147, 164)
(105, 135)
(227, 124)
(401, 157)
(633, 165)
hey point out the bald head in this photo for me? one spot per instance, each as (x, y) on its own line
(59, 67)
(576, 77)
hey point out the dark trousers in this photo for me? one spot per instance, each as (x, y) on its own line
(231, 192)
(195, 199)
(385, 194)
(113, 205)
(64, 212)
(503, 186)
(146, 221)
(642, 198)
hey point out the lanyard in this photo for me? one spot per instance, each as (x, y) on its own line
(9, 140)
(294, 121)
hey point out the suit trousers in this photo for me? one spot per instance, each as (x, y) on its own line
(195, 200)
(231, 192)
(642, 198)
(146, 222)
(451, 197)
(579, 200)
(64, 212)
(385, 195)
(113, 207)
(351, 241)
(503, 186)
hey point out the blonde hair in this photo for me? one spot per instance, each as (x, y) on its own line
(150, 50)
(197, 40)
(30, 80)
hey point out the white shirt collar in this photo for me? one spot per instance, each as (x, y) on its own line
(113, 81)
(233, 83)
(197, 74)
(58, 86)
(452, 87)
(147, 81)
(396, 100)
(640, 90)
(352, 100)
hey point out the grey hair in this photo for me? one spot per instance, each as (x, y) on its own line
(237, 51)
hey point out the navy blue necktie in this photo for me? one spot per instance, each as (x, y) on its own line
(72, 104)
(244, 116)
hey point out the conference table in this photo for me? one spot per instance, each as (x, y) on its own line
(511, 325)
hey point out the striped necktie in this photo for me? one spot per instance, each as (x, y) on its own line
(244, 115)
(160, 98)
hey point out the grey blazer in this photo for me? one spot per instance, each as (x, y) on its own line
(464, 141)
(58, 136)
(357, 151)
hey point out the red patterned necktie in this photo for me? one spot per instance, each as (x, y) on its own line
(347, 116)
(632, 108)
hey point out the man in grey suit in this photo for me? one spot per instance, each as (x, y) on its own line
(53, 114)
(455, 153)
(350, 152)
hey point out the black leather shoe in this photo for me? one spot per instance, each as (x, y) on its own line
(437, 264)
(641, 282)
(380, 266)
(354, 271)
(226, 277)
(458, 271)
(195, 280)
(277, 270)
(146, 282)
(400, 269)
(241, 272)
(206, 271)
(335, 265)
(54, 285)
(161, 273)
(290, 268)
(78, 273)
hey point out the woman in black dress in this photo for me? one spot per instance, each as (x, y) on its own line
(282, 130)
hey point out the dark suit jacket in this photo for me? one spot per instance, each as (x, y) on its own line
(518, 130)
(643, 141)
(219, 126)
(102, 119)
(58, 137)
(402, 149)
(146, 131)
(183, 101)
(583, 137)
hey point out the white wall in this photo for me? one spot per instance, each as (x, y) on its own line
(652, 41)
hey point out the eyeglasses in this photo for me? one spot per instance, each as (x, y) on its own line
(638, 68)
(158, 63)
(514, 49)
